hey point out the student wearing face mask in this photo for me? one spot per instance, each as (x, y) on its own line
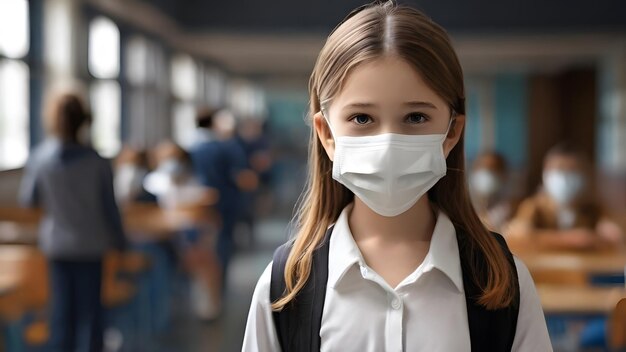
(173, 181)
(389, 254)
(176, 188)
(131, 168)
(488, 188)
(565, 213)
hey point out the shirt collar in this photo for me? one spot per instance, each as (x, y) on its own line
(443, 253)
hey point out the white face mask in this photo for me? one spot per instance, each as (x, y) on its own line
(563, 186)
(389, 172)
(485, 183)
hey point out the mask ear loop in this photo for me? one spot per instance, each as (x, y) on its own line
(452, 121)
(332, 133)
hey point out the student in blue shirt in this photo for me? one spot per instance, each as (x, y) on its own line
(221, 164)
(74, 187)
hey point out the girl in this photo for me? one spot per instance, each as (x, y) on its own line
(407, 265)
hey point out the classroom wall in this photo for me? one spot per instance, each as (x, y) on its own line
(511, 117)
(562, 107)
(611, 130)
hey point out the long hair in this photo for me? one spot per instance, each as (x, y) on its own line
(368, 33)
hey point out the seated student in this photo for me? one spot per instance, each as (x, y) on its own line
(173, 182)
(131, 168)
(219, 162)
(564, 213)
(488, 181)
(176, 188)
(73, 185)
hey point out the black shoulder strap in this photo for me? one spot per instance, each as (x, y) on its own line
(490, 330)
(299, 323)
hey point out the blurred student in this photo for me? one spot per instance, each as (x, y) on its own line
(488, 186)
(74, 187)
(220, 163)
(565, 213)
(256, 146)
(173, 181)
(177, 189)
(131, 168)
(255, 143)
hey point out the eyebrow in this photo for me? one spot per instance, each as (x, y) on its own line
(414, 104)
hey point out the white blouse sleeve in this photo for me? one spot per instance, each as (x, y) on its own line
(260, 334)
(531, 334)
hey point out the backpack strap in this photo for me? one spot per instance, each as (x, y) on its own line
(299, 323)
(490, 330)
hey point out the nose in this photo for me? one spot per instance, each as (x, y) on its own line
(391, 126)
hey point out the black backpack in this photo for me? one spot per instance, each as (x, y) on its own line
(298, 324)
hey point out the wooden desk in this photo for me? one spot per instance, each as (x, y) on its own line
(143, 222)
(24, 282)
(20, 215)
(18, 233)
(587, 262)
(149, 223)
(9, 282)
(9, 285)
(556, 299)
(590, 263)
(26, 270)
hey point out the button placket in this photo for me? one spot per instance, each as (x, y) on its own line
(395, 315)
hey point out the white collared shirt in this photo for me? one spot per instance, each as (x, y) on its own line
(425, 312)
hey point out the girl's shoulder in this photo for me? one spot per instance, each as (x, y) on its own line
(262, 289)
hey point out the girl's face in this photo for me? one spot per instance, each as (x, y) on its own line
(386, 95)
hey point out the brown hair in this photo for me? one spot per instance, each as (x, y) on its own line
(205, 117)
(492, 159)
(368, 33)
(567, 149)
(64, 116)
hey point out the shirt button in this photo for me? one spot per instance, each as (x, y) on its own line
(396, 304)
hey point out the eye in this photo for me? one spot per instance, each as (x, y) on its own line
(416, 118)
(361, 119)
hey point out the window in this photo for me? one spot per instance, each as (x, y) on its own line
(14, 82)
(185, 81)
(184, 125)
(246, 100)
(104, 48)
(213, 87)
(105, 99)
(184, 77)
(148, 92)
(14, 126)
(105, 92)
(14, 28)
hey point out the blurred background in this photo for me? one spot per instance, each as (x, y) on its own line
(165, 84)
